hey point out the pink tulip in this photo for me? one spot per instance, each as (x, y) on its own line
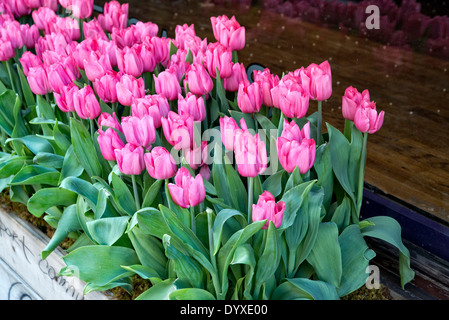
(238, 76)
(52, 4)
(30, 35)
(124, 37)
(130, 159)
(351, 100)
(139, 131)
(161, 48)
(93, 29)
(114, 15)
(109, 141)
(249, 97)
(154, 105)
(205, 172)
(295, 148)
(267, 209)
(228, 32)
(218, 57)
(6, 49)
(250, 154)
(129, 88)
(228, 128)
(19, 8)
(43, 17)
(198, 80)
(38, 80)
(197, 156)
(33, 4)
(178, 63)
(64, 99)
(97, 66)
(146, 52)
(83, 51)
(291, 98)
(86, 103)
(187, 191)
(108, 48)
(160, 163)
(65, 3)
(366, 118)
(58, 77)
(167, 83)
(267, 81)
(319, 80)
(145, 29)
(178, 130)
(107, 120)
(29, 60)
(82, 9)
(192, 105)
(129, 61)
(106, 86)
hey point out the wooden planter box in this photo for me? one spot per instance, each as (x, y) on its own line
(23, 273)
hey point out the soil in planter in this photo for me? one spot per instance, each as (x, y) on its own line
(363, 293)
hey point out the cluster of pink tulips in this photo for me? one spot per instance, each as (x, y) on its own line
(167, 91)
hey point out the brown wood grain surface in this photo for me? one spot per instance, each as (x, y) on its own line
(408, 158)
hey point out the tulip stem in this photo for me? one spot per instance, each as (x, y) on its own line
(8, 67)
(215, 278)
(91, 121)
(361, 173)
(192, 219)
(136, 193)
(318, 123)
(250, 198)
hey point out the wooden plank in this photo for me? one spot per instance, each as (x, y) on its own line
(23, 271)
(407, 158)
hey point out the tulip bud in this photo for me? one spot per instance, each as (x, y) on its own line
(29, 60)
(249, 97)
(114, 15)
(86, 103)
(38, 80)
(250, 154)
(178, 130)
(238, 76)
(218, 57)
(267, 209)
(198, 80)
(139, 131)
(81, 9)
(129, 88)
(167, 83)
(366, 118)
(130, 159)
(228, 32)
(58, 77)
(97, 66)
(108, 141)
(64, 99)
(192, 105)
(187, 191)
(351, 100)
(154, 105)
(228, 128)
(106, 86)
(267, 82)
(160, 163)
(295, 148)
(291, 98)
(319, 79)
(107, 120)
(129, 61)
(6, 49)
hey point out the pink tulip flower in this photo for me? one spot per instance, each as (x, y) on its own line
(366, 118)
(228, 32)
(198, 80)
(129, 61)
(238, 76)
(109, 141)
(167, 83)
(192, 105)
(86, 103)
(129, 88)
(106, 86)
(318, 80)
(130, 159)
(114, 15)
(29, 60)
(6, 49)
(351, 100)
(291, 98)
(218, 57)
(178, 130)
(160, 163)
(64, 99)
(97, 66)
(187, 191)
(58, 76)
(38, 80)
(107, 120)
(154, 105)
(139, 131)
(295, 148)
(81, 9)
(267, 209)
(250, 154)
(249, 97)
(228, 127)
(267, 81)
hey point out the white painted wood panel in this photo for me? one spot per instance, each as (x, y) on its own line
(23, 273)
